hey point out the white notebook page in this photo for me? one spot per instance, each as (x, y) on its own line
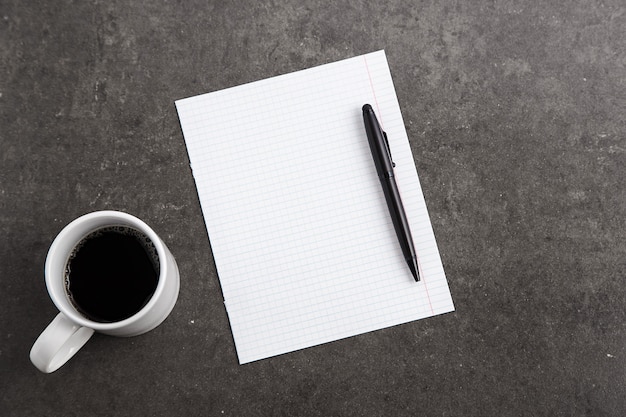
(303, 242)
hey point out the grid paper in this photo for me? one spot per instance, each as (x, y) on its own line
(303, 241)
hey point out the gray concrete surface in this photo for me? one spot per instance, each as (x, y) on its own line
(516, 116)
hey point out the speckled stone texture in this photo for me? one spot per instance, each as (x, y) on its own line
(516, 118)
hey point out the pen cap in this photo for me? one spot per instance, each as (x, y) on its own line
(378, 143)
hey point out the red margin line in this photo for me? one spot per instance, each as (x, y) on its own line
(419, 265)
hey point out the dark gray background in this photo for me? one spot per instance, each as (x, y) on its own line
(515, 114)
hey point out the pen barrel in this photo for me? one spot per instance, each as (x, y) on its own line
(398, 217)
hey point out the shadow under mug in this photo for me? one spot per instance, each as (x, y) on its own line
(70, 329)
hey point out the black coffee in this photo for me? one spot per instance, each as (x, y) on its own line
(112, 273)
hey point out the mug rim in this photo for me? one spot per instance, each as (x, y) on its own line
(64, 305)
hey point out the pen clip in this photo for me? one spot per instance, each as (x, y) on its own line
(393, 164)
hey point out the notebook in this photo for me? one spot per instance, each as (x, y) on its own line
(304, 245)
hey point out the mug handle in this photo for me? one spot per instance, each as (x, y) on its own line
(58, 343)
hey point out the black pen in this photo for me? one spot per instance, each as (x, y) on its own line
(384, 167)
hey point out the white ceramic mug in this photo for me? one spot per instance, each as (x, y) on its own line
(70, 330)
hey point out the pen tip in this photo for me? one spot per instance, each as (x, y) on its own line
(414, 269)
(367, 108)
